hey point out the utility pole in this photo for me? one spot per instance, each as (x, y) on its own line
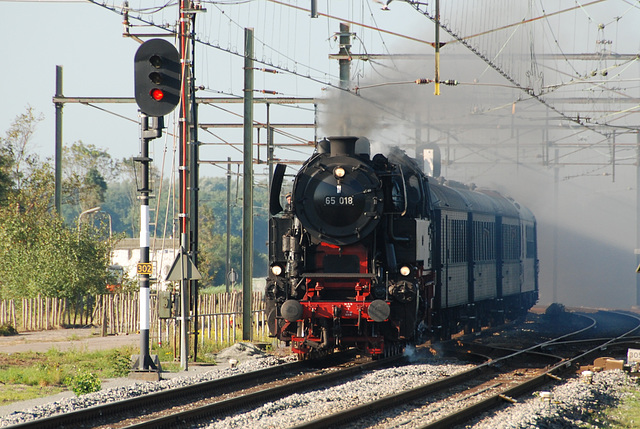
(637, 250)
(269, 148)
(556, 220)
(194, 186)
(185, 224)
(228, 262)
(58, 151)
(345, 61)
(247, 211)
(436, 77)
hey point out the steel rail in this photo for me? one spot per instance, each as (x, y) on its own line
(523, 388)
(401, 398)
(394, 400)
(229, 405)
(252, 378)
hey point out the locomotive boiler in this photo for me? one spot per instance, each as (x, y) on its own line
(370, 252)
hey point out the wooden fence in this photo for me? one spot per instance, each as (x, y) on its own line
(219, 318)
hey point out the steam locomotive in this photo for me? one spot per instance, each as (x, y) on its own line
(373, 253)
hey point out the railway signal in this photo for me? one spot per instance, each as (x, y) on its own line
(157, 77)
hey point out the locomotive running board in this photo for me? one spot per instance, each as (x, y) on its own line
(339, 275)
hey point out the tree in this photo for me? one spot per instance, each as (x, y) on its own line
(86, 171)
(5, 178)
(80, 158)
(95, 188)
(212, 231)
(18, 160)
(39, 253)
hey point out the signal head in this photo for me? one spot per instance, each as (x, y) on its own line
(157, 76)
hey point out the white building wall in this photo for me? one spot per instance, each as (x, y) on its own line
(127, 255)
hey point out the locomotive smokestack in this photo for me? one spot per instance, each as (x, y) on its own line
(343, 145)
(323, 146)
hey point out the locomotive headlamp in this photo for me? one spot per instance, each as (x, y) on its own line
(339, 172)
(405, 270)
(276, 270)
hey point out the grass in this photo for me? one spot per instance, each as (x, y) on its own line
(625, 416)
(32, 374)
(212, 290)
(21, 392)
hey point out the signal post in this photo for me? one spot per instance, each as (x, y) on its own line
(157, 78)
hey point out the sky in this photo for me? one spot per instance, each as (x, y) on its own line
(587, 229)
(97, 61)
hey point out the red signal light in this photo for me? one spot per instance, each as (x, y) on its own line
(157, 94)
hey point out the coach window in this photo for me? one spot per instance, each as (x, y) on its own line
(531, 244)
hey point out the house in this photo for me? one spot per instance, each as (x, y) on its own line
(162, 253)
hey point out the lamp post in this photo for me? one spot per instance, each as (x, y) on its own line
(110, 225)
(91, 210)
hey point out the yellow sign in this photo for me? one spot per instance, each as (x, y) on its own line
(145, 268)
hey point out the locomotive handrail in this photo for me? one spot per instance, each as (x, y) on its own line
(404, 191)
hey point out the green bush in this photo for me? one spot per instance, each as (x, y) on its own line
(7, 330)
(121, 363)
(84, 382)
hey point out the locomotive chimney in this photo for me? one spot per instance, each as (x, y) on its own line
(323, 146)
(343, 145)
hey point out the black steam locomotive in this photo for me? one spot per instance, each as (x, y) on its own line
(372, 253)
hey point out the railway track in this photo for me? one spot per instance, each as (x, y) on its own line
(490, 389)
(174, 407)
(260, 395)
(506, 374)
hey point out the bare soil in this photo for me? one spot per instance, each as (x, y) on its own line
(63, 340)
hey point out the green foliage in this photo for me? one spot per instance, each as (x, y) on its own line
(5, 178)
(33, 374)
(213, 290)
(121, 363)
(7, 330)
(86, 170)
(16, 162)
(83, 383)
(42, 253)
(38, 375)
(213, 226)
(23, 392)
(53, 367)
(39, 253)
(81, 159)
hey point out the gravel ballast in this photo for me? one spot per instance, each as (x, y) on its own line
(304, 406)
(571, 404)
(248, 357)
(572, 401)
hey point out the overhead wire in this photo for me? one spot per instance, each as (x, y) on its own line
(294, 71)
